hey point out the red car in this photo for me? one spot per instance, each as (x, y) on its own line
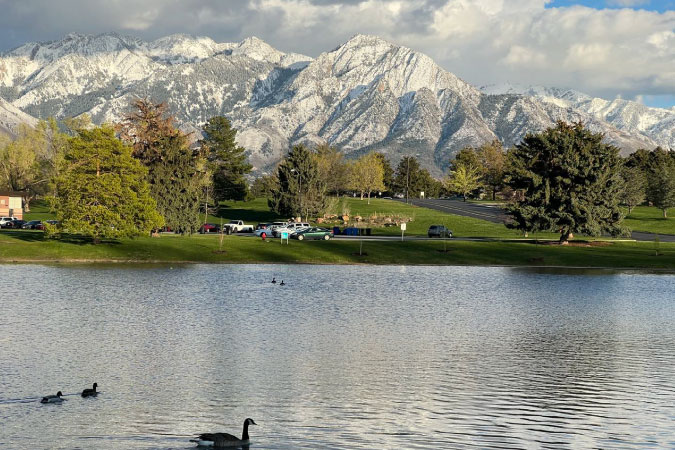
(209, 228)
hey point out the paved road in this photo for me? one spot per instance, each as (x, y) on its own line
(494, 214)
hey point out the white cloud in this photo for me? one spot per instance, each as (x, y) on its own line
(600, 51)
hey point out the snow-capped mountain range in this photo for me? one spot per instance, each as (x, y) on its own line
(365, 94)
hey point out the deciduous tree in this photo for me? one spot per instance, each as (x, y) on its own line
(387, 172)
(332, 168)
(493, 162)
(464, 180)
(366, 175)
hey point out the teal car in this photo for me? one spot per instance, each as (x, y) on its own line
(313, 233)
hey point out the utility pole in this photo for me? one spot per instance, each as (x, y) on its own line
(407, 180)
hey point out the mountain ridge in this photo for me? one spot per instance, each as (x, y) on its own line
(365, 94)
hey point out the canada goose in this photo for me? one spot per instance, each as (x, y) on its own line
(224, 439)
(90, 392)
(274, 281)
(282, 283)
(52, 398)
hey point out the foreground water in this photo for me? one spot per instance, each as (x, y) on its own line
(340, 357)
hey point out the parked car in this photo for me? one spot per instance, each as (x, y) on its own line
(269, 229)
(33, 225)
(53, 222)
(18, 223)
(209, 228)
(313, 233)
(6, 219)
(238, 226)
(439, 231)
(290, 228)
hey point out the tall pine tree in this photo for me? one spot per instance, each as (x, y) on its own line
(226, 161)
(101, 191)
(301, 190)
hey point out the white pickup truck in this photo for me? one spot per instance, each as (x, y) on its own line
(238, 226)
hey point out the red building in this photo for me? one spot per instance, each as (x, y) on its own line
(11, 204)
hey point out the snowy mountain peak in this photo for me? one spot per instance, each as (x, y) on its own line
(260, 50)
(366, 94)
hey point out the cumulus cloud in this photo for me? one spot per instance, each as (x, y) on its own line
(604, 52)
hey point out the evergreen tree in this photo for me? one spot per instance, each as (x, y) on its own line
(264, 186)
(174, 185)
(409, 179)
(387, 172)
(176, 174)
(101, 190)
(570, 181)
(634, 187)
(144, 127)
(226, 162)
(301, 191)
(661, 180)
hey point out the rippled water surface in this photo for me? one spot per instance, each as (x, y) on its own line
(340, 357)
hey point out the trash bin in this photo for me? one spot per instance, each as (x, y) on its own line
(336, 230)
(368, 231)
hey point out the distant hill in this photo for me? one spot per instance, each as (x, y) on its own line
(365, 94)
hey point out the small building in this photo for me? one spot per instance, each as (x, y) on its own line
(11, 204)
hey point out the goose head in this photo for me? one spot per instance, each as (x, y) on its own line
(249, 422)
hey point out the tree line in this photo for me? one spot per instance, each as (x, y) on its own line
(143, 174)
(131, 178)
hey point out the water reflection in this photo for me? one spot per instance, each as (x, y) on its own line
(342, 357)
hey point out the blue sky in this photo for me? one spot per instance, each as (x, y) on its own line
(649, 5)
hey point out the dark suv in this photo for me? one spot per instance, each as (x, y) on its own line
(439, 231)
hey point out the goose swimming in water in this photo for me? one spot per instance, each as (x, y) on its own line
(224, 439)
(90, 392)
(52, 398)
(282, 283)
(274, 281)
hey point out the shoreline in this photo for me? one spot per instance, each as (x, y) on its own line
(117, 262)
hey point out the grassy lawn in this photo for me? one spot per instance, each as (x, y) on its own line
(650, 219)
(38, 211)
(30, 246)
(257, 211)
(23, 245)
(643, 218)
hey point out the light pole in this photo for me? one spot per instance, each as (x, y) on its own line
(407, 179)
(297, 172)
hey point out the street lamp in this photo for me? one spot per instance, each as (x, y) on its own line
(297, 172)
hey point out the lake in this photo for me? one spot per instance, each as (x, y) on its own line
(342, 357)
